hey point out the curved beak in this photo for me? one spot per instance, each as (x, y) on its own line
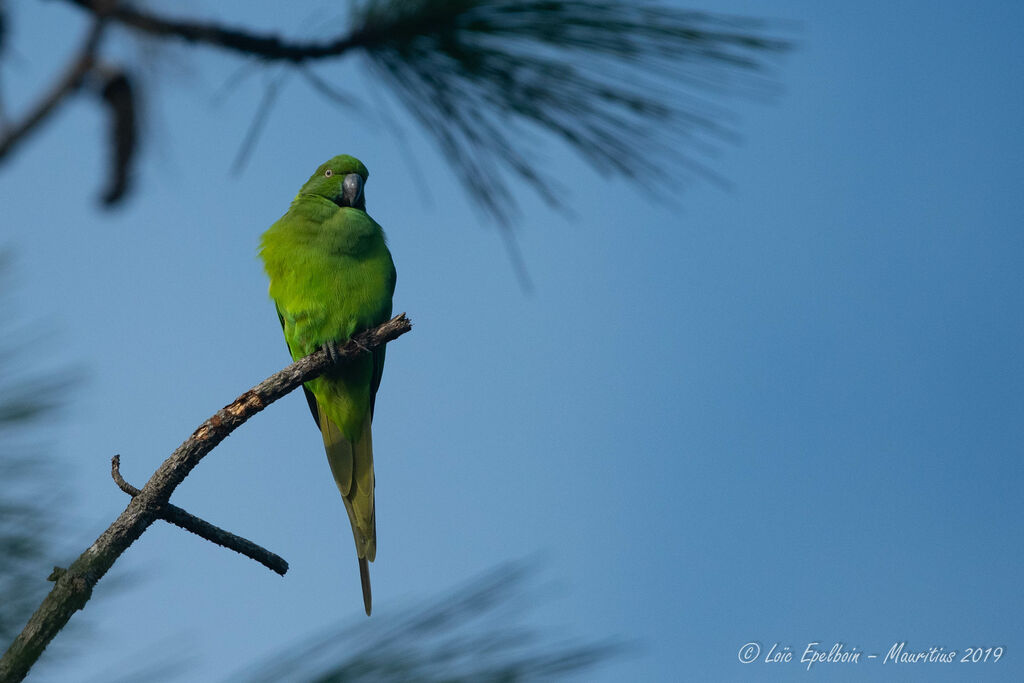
(352, 191)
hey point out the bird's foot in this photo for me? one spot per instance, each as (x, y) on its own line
(333, 350)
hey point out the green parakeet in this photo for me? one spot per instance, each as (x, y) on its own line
(331, 276)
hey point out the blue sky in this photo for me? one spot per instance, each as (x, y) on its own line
(786, 412)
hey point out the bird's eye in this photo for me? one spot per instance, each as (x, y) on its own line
(328, 173)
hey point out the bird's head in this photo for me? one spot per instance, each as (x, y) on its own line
(340, 180)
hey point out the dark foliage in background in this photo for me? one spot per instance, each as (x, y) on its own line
(604, 76)
(467, 636)
(29, 485)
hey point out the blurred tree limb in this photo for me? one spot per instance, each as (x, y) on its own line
(614, 80)
(110, 83)
(73, 586)
(66, 84)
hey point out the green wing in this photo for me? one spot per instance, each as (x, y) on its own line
(310, 398)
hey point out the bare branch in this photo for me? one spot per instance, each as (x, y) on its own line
(73, 588)
(67, 84)
(267, 47)
(203, 529)
(115, 472)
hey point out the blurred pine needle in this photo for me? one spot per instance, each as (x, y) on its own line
(618, 82)
(29, 489)
(471, 635)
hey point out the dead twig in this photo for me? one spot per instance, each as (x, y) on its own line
(203, 529)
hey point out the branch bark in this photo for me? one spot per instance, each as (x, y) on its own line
(73, 587)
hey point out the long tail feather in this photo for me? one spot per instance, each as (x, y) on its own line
(352, 466)
(364, 579)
